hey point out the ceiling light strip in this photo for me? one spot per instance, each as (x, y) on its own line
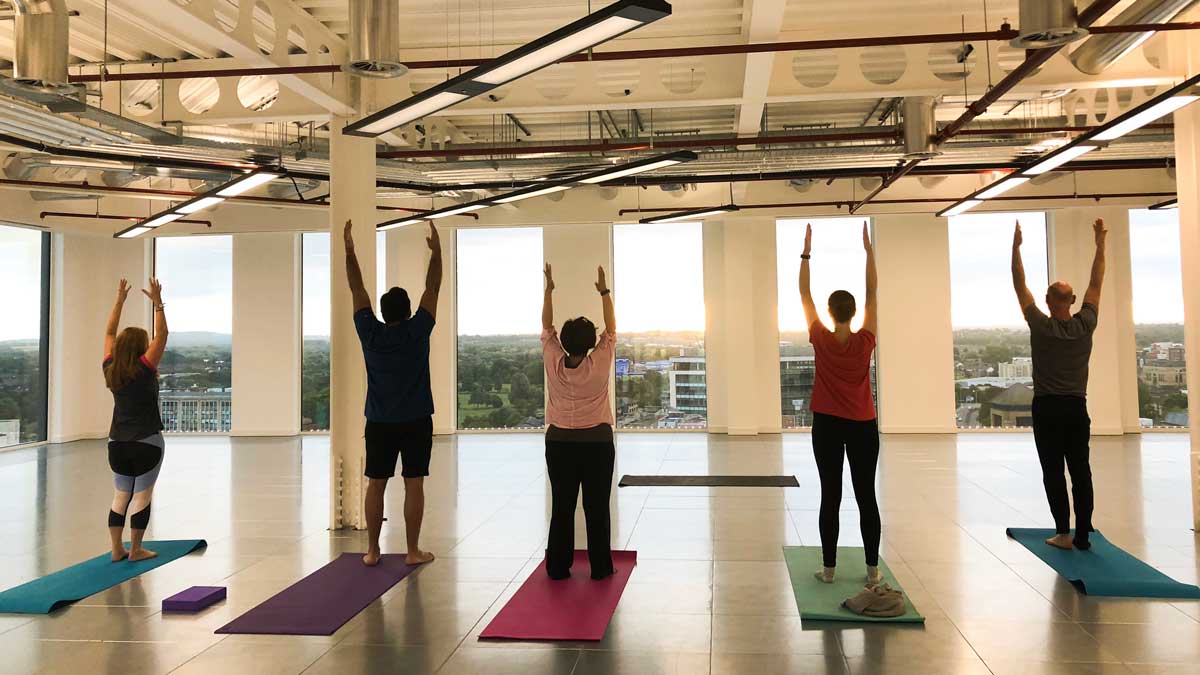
(594, 29)
(694, 214)
(1175, 98)
(239, 185)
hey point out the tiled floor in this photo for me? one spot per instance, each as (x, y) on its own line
(710, 593)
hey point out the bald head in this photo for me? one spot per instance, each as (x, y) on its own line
(1059, 297)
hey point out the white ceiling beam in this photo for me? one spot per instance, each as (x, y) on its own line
(762, 22)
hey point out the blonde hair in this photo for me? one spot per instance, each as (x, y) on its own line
(131, 345)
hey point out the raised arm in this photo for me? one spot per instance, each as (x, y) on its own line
(610, 312)
(1092, 296)
(548, 300)
(114, 318)
(870, 314)
(159, 344)
(810, 307)
(1024, 297)
(362, 300)
(433, 276)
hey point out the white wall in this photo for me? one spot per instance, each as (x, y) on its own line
(916, 342)
(266, 334)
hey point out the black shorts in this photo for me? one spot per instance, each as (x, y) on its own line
(412, 442)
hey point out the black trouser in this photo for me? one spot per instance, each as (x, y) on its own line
(834, 438)
(1062, 431)
(571, 465)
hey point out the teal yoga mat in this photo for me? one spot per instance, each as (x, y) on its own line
(823, 602)
(1104, 569)
(74, 583)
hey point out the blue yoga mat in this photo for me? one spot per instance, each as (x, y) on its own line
(74, 583)
(1104, 569)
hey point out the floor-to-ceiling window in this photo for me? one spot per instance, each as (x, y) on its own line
(195, 388)
(993, 370)
(25, 278)
(500, 375)
(314, 362)
(838, 263)
(658, 280)
(1158, 317)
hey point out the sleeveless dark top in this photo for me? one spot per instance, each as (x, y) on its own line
(135, 406)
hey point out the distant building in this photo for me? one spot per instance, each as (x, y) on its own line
(196, 411)
(10, 432)
(796, 376)
(1021, 367)
(1163, 374)
(688, 385)
(1013, 407)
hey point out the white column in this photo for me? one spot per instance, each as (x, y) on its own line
(1187, 158)
(266, 334)
(85, 270)
(407, 264)
(742, 325)
(575, 251)
(1072, 248)
(915, 356)
(352, 197)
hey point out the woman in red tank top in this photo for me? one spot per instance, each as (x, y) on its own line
(844, 411)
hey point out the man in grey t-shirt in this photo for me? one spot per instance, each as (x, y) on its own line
(1062, 346)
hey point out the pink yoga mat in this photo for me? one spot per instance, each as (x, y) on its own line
(569, 609)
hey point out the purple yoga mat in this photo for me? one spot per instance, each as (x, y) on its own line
(568, 609)
(323, 601)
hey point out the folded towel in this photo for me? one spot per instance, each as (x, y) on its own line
(877, 601)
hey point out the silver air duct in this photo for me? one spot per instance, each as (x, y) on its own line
(920, 127)
(42, 36)
(1101, 51)
(375, 39)
(1048, 23)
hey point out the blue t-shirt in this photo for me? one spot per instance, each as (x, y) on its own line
(397, 357)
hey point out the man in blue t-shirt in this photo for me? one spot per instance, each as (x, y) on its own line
(399, 407)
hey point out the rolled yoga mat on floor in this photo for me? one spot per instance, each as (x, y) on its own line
(823, 602)
(1104, 569)
(577, 608)
(323, 601)
(708, 481)
(74, 583)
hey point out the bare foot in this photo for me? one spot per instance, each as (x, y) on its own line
(141, 554)
(371, 559)
(418, 558)
(118, 556)
(1062, 541)
(824, 575)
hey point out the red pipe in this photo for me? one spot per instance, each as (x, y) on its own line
(1003, 34)
(102, 216)
(921, 200)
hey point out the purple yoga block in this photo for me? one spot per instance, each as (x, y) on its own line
(194, 599)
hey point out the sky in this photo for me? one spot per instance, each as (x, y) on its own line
(21, 279)
(838, 263)
(981, 290)
(315, 308)
(196, 274)
(1157, 274)
(658, 277)
(499, 281)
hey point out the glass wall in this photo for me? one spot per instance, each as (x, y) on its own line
(1158, 317)
(195, 387)
(993, 370)
(659, 285)
(838, 263)
(500, 373)
(24, 334)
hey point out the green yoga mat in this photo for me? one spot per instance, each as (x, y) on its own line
(1104, 569)
(823, 602)
(74, 583)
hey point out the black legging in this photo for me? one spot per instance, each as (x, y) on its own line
(572, 465)
(834, 438)
(1062, 431)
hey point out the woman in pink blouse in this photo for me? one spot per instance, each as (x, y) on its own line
(579, 433)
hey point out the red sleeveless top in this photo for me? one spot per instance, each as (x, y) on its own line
(842, 386)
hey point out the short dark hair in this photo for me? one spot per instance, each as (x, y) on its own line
(578, 336)
(395, 305)
(842, 306)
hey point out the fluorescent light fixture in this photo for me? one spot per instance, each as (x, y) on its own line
(135, 232)
(1066, 154)
(1163, 206)
(1002, 187)
(393, 224)
(456, 210)
(199, 205)
(961, 208)
(605, 24)
(247, 183)
(168, 217)
(1141, 119)
(618, 172)
(93, 164)
(518, 196)
(689, 215)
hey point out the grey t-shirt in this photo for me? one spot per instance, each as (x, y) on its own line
(1061, 351)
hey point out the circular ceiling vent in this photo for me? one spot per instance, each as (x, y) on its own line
(1048, 23)
(1052, 37)
(376, 69)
